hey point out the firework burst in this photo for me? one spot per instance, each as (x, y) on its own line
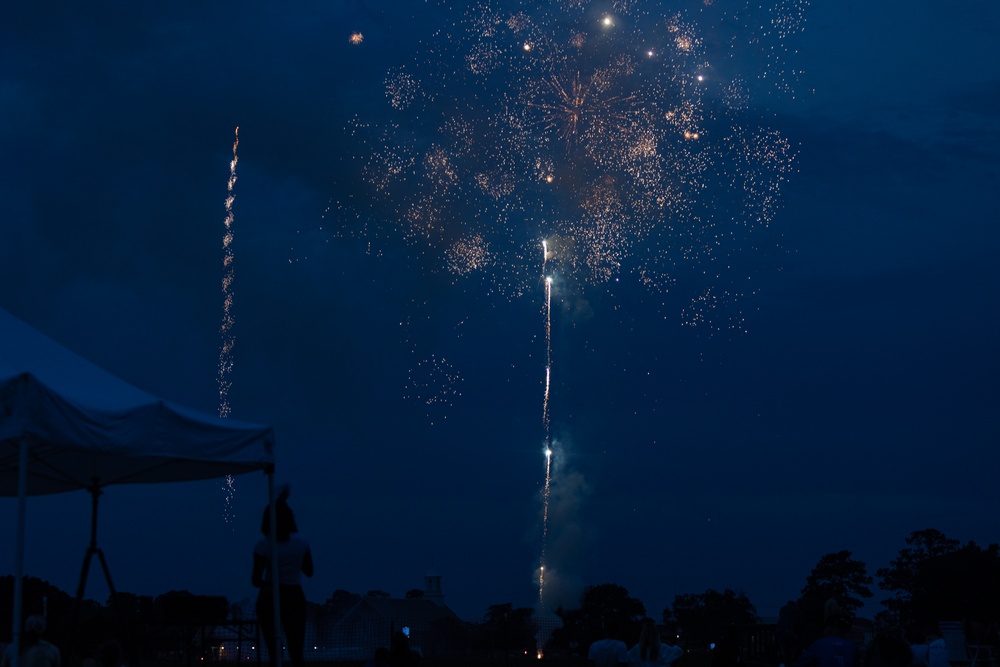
(622, 138)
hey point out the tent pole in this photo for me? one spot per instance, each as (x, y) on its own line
(22, 492)
(95, 493)
(275, 659)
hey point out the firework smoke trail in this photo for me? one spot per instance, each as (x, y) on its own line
(226, 329)
(546, 423)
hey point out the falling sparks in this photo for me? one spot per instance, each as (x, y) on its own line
(356, 38)
(468, 255)
(401, 89)
(228, 320)
(436, 384)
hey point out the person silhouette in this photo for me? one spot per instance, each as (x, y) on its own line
(33, 650)
(294, 558)
(649, 651)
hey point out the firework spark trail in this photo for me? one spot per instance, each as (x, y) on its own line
(228, 320)
(545, 525)
(546, 424)
(548, 342)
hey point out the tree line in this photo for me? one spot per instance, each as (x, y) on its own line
(933, 578)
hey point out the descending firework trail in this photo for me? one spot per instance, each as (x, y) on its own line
(548, 343)
(226, 329)
(546, 424)
(545, 525)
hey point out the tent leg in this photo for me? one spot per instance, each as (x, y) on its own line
(82, 586)
(22, 492)
(92, 549)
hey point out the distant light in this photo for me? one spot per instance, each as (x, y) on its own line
(356, 38)
(701, 77)
(608, 21)
(527, 46)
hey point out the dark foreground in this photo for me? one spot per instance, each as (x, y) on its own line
(690, 660)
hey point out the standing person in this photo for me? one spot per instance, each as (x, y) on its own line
(649, 651)
(34, 651)
(294, 558)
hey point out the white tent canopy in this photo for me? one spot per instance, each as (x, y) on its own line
(81, 423)
(66, 424)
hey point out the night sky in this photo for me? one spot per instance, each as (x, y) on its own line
(843, 397)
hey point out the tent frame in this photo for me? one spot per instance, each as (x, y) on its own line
(95, 493)
(67, 424)
(92, 550)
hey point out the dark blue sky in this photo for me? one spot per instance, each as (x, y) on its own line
(855, 404)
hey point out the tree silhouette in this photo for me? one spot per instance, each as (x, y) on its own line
(339, 603)
(703, 618)
(839, 577)
(900, 577)
(605, 610)
(962, 585)
(952, 583)
(508, 630)
(37, 597)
